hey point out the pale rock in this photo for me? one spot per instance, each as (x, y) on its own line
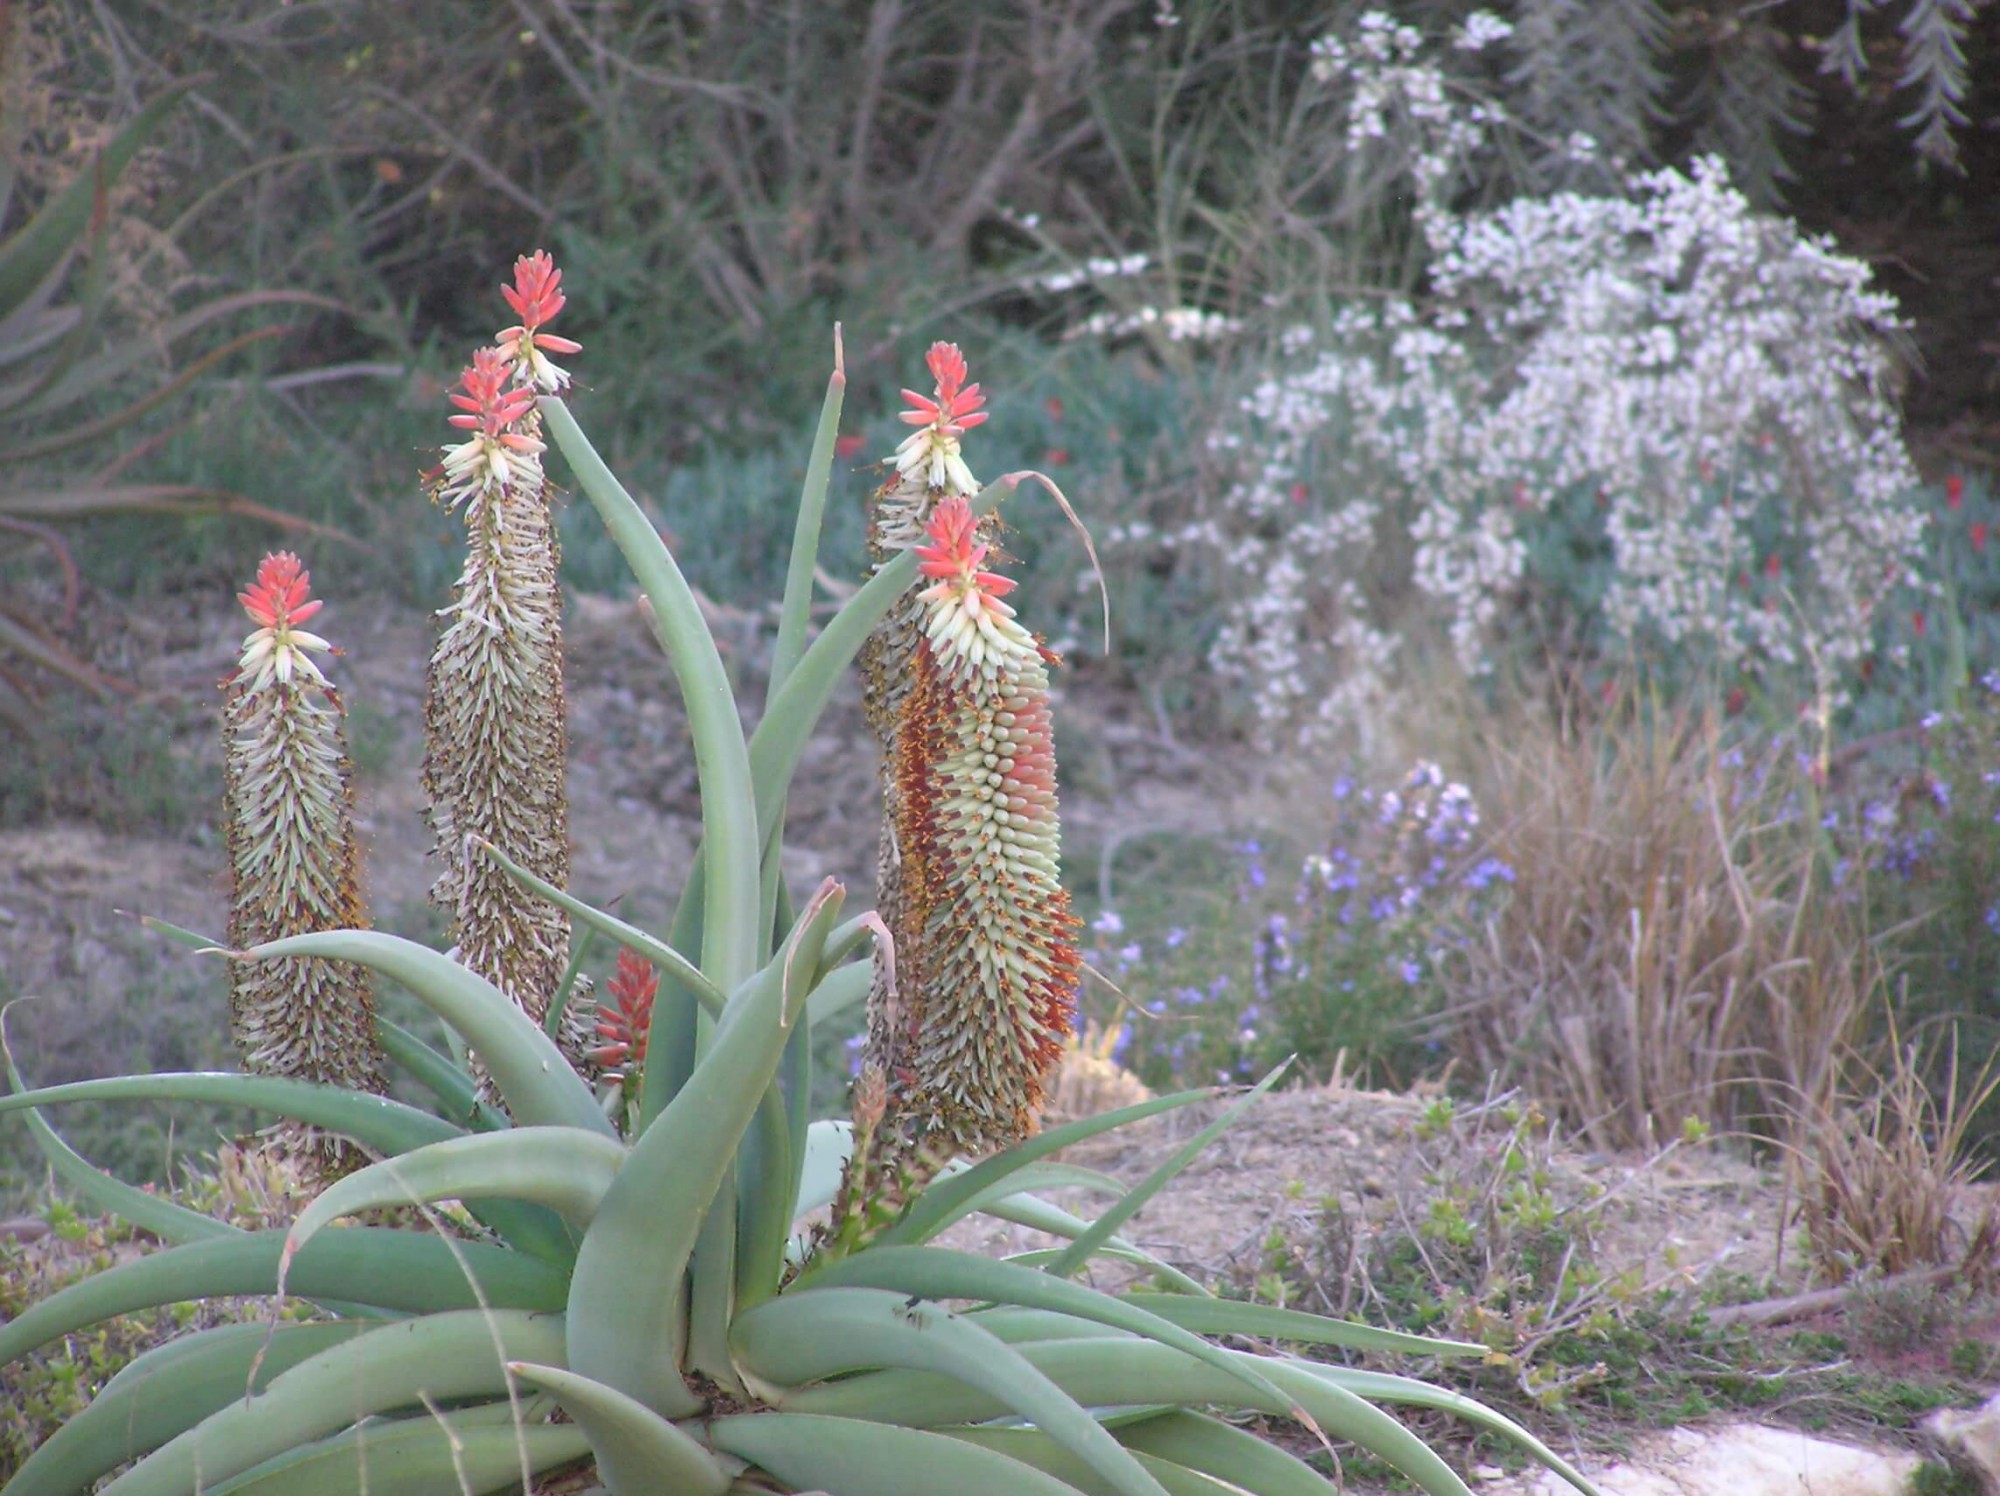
(1742, 1460)
(1971, 1436)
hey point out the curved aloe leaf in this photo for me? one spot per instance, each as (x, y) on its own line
(845, 1458)
(1033, 1447)
(438, 1358)
(452, 1453)
(947, 1199)
(637, 1449)
(564, 1168)
(1221, 1449)
(937, 1273)
(366, 1264)
(722, 762)
(1409, 1392)
(805, 1337)
(796, 609)
(528, 1070)
(1211, 1316)
(376, 1121)
(1079, 1251)
(165, 1392)
(1040, 1215)
(662, 955)
(165, 1218)
(839, 990)
(627, 1302)
(1130, 1372)
(452, 1087)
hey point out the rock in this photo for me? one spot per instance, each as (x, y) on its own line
(1970, 1437)
(1742, 1460)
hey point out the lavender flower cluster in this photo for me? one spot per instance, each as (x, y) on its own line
(1350, 955)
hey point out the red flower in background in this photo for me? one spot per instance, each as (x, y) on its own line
(1979, 535)
(1954, 492)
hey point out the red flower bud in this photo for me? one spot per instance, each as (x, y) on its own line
(1954, 492)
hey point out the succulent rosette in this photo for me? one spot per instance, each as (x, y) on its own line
(616, 1285)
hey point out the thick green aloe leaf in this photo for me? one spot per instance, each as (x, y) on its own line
(1221, 1449)
(444, 1454)
(627, 1302)
(528, 1070)
(637, 1450)
(563, 1168)
(730, 841)
(1032, 1447)
(936, 1273)
(948, 1198)
(1137, 1373)
(376, 1121)
(364, 1264)
(843, 1457)
(439, 1359)
(1100, 1231)
(658, 952)
(165, 1392)
(1210, 1316)
(799, 1338)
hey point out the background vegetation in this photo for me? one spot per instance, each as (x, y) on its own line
(1141, 215)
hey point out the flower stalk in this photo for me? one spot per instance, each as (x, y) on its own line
(495, 717)
(966, 1027)
(288, 825)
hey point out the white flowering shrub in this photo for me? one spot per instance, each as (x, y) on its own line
(1666, 417)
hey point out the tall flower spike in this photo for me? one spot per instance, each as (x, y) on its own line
(536, 296)
(494, 714)
(288, 826)
(962, 1044)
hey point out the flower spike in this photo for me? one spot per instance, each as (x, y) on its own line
(277, 602)
(288, 826)
(536, 296)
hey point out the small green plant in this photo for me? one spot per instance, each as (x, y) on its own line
(637, 1255)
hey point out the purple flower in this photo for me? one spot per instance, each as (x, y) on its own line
(1412, 973)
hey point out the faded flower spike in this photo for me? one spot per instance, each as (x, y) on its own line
(930, 453)
(277, 603)
(494, 714)
(288, 824)
(536, 296)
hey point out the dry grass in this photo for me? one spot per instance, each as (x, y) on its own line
(1879, 1176)
(1669, 951)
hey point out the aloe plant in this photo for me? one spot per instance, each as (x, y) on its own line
(638, 1256)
